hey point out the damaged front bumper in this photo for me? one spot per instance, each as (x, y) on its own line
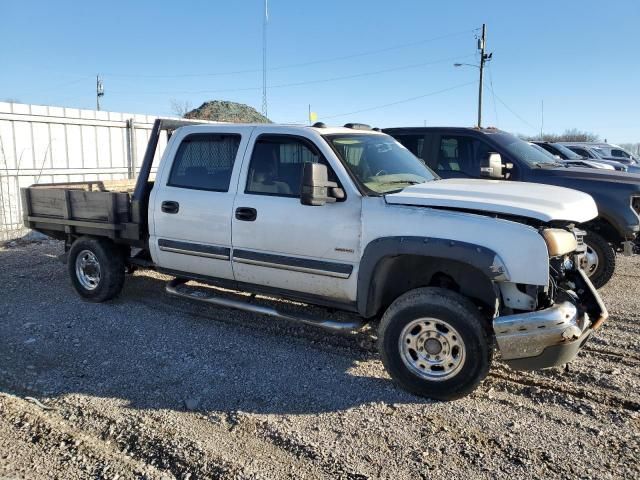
(552, 336)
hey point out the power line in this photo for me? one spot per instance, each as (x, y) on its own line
(296, 65)
(493, 94)
(515, 113)
(398, 102)
(307, 82)
(66, 84)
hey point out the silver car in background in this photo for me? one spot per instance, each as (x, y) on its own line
(570, 158)
(597, 153)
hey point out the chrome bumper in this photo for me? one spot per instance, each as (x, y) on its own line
(528, 334)
(549, 337)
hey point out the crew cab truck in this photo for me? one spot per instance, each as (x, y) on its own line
(455, 152)
(345, 219)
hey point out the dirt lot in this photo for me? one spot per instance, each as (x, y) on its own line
(154, 387)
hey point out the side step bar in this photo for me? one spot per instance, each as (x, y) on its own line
(172, 289)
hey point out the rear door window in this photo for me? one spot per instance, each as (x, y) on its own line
(205, 162)
(461, 156)
(414, 143)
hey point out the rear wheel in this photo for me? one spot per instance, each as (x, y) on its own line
(433, 343)
(96, 268)
(600, 259)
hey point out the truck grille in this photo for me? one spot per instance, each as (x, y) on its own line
(635, 204)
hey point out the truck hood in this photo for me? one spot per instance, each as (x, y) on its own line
(590, 174)
(541, 202)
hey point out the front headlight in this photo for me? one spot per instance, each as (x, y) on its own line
(635, 205)
(559, 242)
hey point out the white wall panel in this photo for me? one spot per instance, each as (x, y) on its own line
(41, 150)
(48, 144)
(23, 145)
(58, 146)
(7, 150)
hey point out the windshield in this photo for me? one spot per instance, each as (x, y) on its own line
(379, 162)
(523, 150)
(567, 152)
(546, 152)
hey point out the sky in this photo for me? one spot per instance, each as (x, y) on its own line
(556, 64)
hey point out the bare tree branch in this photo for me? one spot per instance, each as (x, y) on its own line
(180, 108)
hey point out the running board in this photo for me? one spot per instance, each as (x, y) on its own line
(172, 289)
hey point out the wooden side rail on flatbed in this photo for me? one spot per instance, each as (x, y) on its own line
(77, 209)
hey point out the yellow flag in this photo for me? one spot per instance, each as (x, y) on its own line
(313, 116)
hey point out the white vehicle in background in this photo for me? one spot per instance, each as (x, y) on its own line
(604, 152)
(611, 151)
(345, 218)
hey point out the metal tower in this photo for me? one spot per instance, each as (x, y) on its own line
(264, 58)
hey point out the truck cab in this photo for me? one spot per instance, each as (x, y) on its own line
(348, 219)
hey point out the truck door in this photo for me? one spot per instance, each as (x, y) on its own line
(459, 156)
(192, 200)
(281, 244)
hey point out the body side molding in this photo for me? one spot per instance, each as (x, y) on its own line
(318, 267)
(196, 249)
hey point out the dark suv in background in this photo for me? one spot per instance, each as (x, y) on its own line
(455, 152)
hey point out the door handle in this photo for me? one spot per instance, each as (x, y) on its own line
(246, 214)
(169, 206)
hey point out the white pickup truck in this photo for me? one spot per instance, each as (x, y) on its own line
(344, 218)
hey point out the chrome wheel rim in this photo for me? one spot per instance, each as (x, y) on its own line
(591, 261)
(432, 349)
(88, 270)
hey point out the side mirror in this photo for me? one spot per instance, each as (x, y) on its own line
(315, 185)
(492, 166)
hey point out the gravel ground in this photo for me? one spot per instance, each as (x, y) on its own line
(149, 386)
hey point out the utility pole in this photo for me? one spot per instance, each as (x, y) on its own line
(484, 57)
(264, 58)
(99, 91)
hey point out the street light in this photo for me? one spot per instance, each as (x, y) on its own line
(465, 65)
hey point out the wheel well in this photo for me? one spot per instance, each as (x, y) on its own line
(394, 276)
(605, 229)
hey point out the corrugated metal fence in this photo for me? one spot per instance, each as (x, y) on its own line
(43, 144)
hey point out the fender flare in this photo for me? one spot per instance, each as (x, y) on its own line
(482, 258)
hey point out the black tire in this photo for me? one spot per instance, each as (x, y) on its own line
(602, 273)
(111, 268)
(444, 306)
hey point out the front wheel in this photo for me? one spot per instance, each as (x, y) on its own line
(96, 268)
(600, 259)
(433, 343)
